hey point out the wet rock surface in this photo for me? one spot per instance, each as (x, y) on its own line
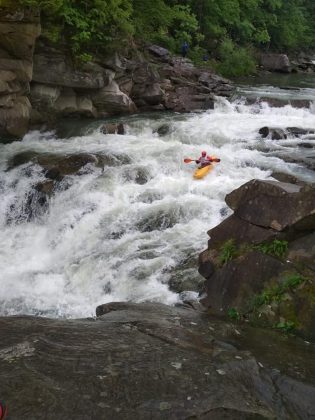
(150, 361)
(259, 262)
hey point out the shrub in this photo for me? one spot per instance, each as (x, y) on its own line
(276, 248)
(235, 61)
(228, 251)
(234, 314)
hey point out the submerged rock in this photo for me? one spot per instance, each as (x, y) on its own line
(142, 361)
(58, 166)
(114, 128)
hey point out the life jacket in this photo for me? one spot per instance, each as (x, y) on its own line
(204, 160)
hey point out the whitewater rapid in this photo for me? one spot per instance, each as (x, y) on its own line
(105, 237)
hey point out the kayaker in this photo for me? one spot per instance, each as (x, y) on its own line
(205, 160)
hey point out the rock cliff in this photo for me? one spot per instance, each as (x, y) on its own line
(40, 83)
(259, 264)
(18, 33)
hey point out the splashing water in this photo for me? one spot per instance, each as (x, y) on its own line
(108, 237)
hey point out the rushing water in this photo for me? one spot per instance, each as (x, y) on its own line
(105, 236)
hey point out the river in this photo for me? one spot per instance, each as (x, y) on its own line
(106, 236)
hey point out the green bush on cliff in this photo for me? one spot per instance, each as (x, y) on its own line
(226, 30)
(235, 61)
(285, 326)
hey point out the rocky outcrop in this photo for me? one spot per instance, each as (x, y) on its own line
(40, 85)
(18, 33)
(280, 134)
(141, 361)
(116, 85)
(259, 261)
(303, 63)
(275, 62)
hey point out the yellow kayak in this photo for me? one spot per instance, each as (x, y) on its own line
(202, 172)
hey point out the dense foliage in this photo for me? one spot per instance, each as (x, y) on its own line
(228, 31)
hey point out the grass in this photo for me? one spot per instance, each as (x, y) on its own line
(276, 248)
(285, 326)
(228, 251)
(234, 314)
(276, 293)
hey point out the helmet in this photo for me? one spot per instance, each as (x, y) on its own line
(203, 153)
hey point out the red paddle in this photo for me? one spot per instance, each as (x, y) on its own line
(187, 160)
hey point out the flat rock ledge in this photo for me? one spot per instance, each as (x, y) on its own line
(146, 361)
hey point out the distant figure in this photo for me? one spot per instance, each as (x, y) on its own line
(184, 49)
(205, 57)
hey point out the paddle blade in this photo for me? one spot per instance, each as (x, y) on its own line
(187, 160)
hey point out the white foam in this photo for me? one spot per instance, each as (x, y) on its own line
(94, 245)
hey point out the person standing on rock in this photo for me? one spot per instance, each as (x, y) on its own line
(184, 49)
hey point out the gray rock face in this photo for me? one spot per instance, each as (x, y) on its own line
(259, 261)
(275, 205)
(110, 86)
(111, 100)
(142, 361)
(275, 62)
(159, 51)
(63, 74)
(241, 230)
(234, 285)
(18, 32)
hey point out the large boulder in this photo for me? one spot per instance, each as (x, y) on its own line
(112, 100)
(160, 52)
(235, 284)
(275, 62)
(275, 205)
(188, 98)
(241, 230)
(260, 261)
(147, 94)
(55, 166)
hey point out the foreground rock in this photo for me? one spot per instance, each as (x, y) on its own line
(147, 361)
(259, 264)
